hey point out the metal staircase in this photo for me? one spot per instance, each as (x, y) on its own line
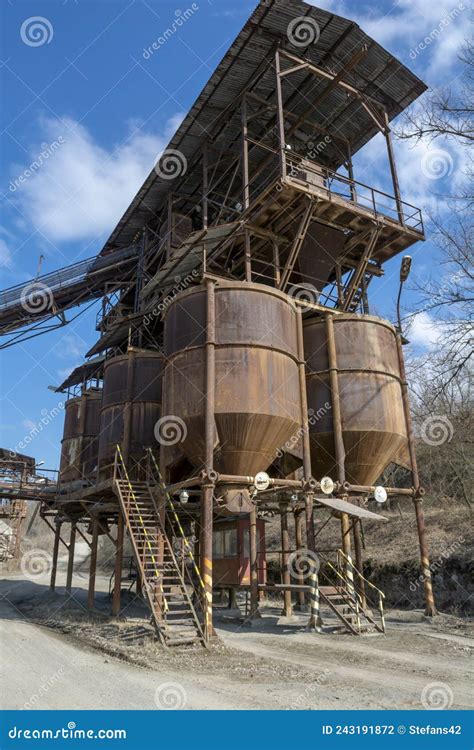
(358, 613)
(173, 613)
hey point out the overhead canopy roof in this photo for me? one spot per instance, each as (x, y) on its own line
(378, 75)
(344, 507)
(91, 368)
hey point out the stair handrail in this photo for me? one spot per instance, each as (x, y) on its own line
(120, 468)
(337, 572)
(341, 556)
(176, 518)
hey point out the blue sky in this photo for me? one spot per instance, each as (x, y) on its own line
(102, 111)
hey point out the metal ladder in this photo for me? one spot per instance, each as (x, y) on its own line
(171, 606)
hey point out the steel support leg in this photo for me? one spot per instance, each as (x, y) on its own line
(285, 571)
(300, 606)
(117, 594)
(54, 562)
(93, 563)
(70, 562)
(253, 547)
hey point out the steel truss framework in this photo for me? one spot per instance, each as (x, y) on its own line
(266, 186)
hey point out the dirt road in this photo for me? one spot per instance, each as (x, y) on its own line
(83, 662)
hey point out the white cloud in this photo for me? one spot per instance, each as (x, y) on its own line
(71, 346)
(425, 332)
(5, 255)
(424, 169)
(28, 424)
(82, 189)
(407, 23)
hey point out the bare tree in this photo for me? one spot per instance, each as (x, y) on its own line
(446, 111)
(443, 421)
(449, 293)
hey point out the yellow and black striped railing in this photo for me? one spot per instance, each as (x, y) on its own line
(122, 474)
(173, 513)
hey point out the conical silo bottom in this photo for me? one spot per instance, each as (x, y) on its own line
(367, 454)
(245, 443)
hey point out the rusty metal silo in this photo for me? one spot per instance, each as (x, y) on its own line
(256, 389)
(366, 365)
(80, 437)
(130, 407)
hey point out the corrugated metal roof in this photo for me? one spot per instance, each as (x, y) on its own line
(91, 368)
(379, 76)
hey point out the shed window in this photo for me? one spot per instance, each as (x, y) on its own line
(224, 543)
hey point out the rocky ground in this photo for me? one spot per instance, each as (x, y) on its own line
(55, 654)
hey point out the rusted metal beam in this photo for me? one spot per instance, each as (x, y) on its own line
(207, 498)
(393, 170)
(93, 562)
(359, 561)
(300, 546)
(117, 594)
(54, 561)
(285, 572)
(333, 83)
(430, 607)
(253, 554)
(336, 405)
(70, 562)
(297, 244)
(360, 270)
(280, 115)
(329, 76)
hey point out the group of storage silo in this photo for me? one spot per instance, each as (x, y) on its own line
(256, 393)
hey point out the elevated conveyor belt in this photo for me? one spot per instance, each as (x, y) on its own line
(50, 295)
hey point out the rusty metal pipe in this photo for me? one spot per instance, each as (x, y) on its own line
(208, 489)
(360, 582)
(361, 488)
(336, 404)
(70, 562)
(303, 399)
(430, 607)
(93, 563)
(285, 572)
(117, 593)
(298, 515)
(253, 553)
(54, 565)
